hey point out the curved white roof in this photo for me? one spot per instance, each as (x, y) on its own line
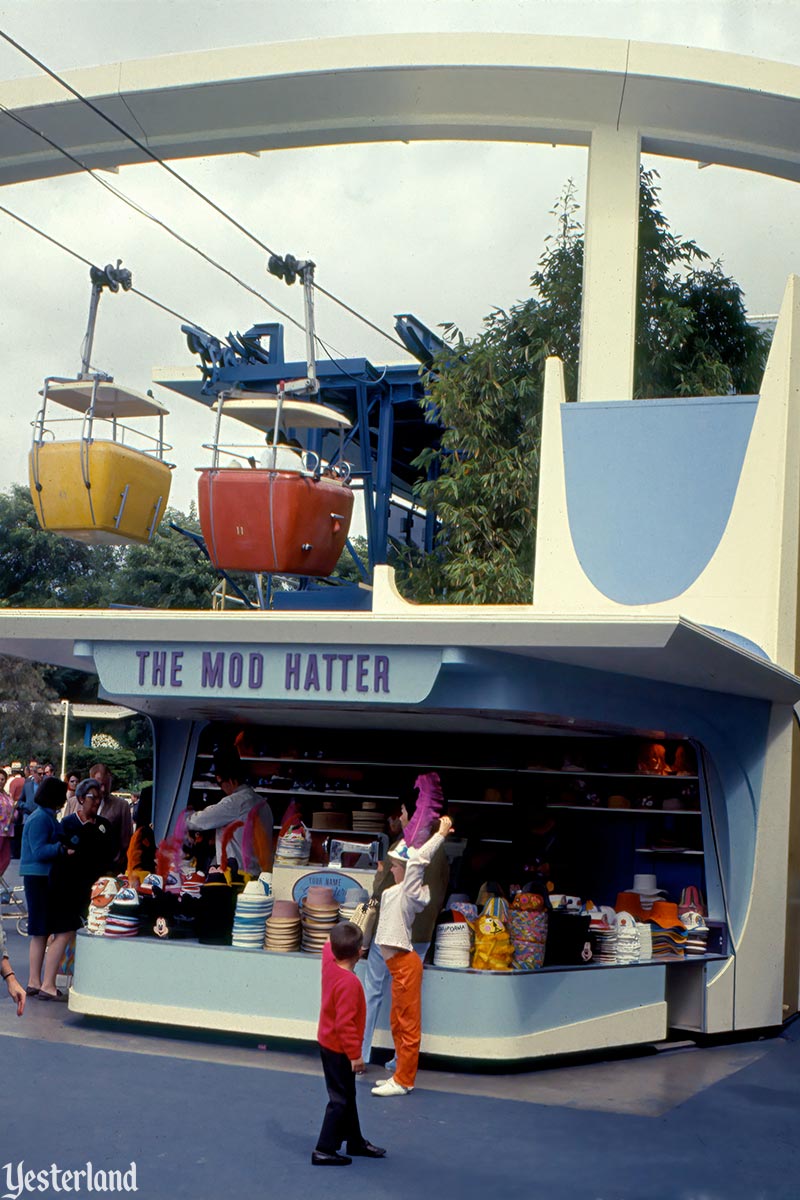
(687, 103)
(259, 410)
(111, 400)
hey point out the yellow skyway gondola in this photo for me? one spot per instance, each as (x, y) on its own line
(99, 490)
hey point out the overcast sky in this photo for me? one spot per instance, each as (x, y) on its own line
(443, 230)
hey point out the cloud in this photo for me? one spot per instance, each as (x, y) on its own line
(444, 230)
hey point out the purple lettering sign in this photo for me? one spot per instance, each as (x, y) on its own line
(142, 656)
(212, 669)
(175, 668)
(292, 672)
(255, 671)
(359, 675)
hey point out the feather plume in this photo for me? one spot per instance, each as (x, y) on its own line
(257, 838)
(291, 819)
(227, 834)
(170, 850)
(429, 806)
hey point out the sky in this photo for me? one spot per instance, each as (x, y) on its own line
(446, 231)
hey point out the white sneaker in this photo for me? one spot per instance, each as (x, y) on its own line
(390, 1087)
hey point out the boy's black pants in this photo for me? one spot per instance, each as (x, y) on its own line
(341, 1116)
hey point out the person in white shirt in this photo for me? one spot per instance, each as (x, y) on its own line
(399, 906)
(285, 455)
(235, 806)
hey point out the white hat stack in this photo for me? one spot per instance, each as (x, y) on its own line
(253, 908)
(645, 941)
(103, 892)
(648, 891)
(603, 934)
(452, 945)
(627, 943)
(293, 848)
(123, 915)
(352, 898)
(697, 941)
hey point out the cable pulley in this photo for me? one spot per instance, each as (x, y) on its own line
(111, 277)
(288, 267)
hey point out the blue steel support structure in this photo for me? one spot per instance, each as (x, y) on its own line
(383, 480)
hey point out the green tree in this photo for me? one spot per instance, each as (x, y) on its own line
(42, 570)
(27, 724)
(120, 761)
(346, 567)
(39, 569)
(692, 338)
(170, 572)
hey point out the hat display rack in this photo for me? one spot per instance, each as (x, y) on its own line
(320, 912)
(283, 928)
(603, 904)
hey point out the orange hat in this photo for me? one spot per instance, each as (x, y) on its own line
(629, 902)
(665, 914)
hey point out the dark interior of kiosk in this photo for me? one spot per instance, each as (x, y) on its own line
(580, 814)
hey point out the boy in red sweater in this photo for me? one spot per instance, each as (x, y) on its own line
(340, 1035)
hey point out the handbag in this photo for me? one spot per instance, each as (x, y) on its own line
(692, 901)
(365, 916)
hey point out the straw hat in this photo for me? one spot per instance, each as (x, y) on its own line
(255, 889)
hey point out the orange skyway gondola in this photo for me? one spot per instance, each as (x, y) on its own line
(290, 514)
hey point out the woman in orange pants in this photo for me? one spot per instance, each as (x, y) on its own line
(399, 905)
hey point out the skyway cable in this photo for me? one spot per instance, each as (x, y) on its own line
(145, 149)
(87, 262)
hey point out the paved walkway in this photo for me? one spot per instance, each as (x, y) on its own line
(205, 1117)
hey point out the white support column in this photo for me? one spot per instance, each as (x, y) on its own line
(608, 316)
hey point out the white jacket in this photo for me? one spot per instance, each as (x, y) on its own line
(401, 903)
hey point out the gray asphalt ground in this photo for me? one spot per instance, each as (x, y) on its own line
(204, 1117)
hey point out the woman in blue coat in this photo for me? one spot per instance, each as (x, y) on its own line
(41, 846)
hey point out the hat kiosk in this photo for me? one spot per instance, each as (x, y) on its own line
(659, 746)
(538, 712)
(95, 488)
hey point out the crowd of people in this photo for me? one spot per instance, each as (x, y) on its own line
(66, 833)
(74, 830)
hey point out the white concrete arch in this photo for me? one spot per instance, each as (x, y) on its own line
(688, 103)
(618, 98)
